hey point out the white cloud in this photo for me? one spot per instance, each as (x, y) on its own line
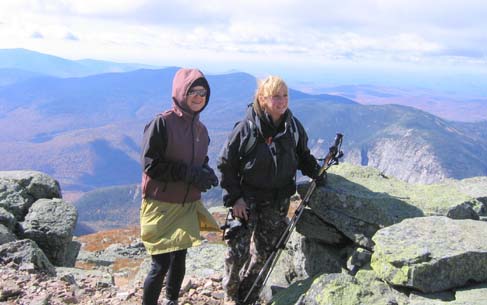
(37, 35)
(70, 36)
(283, 32)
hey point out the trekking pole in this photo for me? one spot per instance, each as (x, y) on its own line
(331, 158)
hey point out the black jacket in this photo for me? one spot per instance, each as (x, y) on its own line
(255, 174)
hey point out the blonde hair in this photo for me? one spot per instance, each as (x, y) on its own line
(267, 87)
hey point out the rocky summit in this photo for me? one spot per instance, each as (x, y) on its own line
(365, 238)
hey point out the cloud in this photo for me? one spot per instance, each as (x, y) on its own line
(70, 36)
(37, 35)
(314, 31)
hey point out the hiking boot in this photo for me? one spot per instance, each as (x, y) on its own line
(170, 302)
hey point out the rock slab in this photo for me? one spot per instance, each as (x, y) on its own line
(431, 254)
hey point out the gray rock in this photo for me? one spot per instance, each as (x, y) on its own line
(358, 201)
(108, 256)
(310, 225)
(463, 211)
(27, 255)
(7, 219)
(438, 298)
(303, 258)
(432, 200)
(37, 184)
(340, 288)
(360, 258)
(97, 258)
(72, 253)
(134, 250)
(205, 260)
(311, 257)
(356, 211)
(102, 278)
(19, 189)
(14, 198)
(475, 187)
(50, 223)
(6, 235)
(472, 295)
(431, 254)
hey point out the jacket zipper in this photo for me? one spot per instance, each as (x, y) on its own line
(192, 158)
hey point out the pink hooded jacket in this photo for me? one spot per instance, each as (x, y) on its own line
(177, 135)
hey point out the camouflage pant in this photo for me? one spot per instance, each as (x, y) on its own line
(249, 249)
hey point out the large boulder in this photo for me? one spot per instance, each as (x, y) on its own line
(475, 187)
(342, 289)
(50, 223)
(14, 198)
(19, 189)
(358, 201)
(303, 258)
(37, 184)
(7, 219)
(27, 255)
(311, 226)
(6, 235)
(431, 254)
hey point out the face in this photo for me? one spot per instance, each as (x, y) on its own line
(276, 104)
(196, 98)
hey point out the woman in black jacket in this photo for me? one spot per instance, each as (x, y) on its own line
(258, 166)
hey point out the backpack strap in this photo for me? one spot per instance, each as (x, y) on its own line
(251, 142)
(254, 131)
(295, 131)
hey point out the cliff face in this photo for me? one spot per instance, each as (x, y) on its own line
(420, 148)
(404, 158)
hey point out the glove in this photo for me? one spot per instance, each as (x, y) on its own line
(319, 180)
(202, 177)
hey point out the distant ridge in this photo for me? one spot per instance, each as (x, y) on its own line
(10, 76)
(33, 61)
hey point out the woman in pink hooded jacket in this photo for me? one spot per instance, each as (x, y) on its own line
(175, 172)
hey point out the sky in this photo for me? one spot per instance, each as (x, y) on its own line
(440, 43)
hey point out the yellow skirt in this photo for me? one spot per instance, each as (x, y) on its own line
(167, 227)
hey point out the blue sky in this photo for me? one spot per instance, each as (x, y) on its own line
(396, 42)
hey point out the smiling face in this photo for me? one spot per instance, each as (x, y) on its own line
(196, 98)
(275, 103)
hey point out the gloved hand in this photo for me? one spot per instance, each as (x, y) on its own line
(320, 180)
(202, 177)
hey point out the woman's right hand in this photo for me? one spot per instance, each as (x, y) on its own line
(240, 209)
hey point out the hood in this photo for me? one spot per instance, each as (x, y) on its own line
(183, 79)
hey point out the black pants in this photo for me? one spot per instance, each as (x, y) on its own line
(174, 264)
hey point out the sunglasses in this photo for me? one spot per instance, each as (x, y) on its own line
(200, 92)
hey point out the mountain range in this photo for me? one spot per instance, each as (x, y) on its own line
(85, 131)
(452, 106)
(34, 62)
